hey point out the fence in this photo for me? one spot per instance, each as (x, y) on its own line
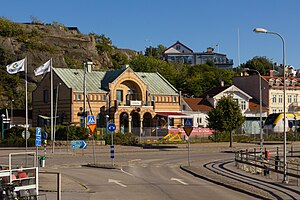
(263, 163)
(20, 170)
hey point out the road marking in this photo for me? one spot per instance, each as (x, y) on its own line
(126, 172)
(179, 181)
(116, 182)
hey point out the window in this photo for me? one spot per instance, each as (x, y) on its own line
(178, 47)
(243, 105)
(78, 97)
(152, 98)
(274, 98)
(184, 107)
(119, 95)
(274, 110)
(280, 98)
(295, 98)
(46, 96)
(174, 99)
(103, 97)
(280, 110)
(289, 98)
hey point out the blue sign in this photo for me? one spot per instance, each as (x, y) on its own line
(111, 127)
(91, 119)
(78, 144)
(38, 137)
(188, 122)
(44, 135)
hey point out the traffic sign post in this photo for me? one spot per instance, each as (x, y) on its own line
(38, 142)
(92, 126)
(112, 127)
(188, 128)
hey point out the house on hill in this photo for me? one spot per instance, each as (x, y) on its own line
(178, 52)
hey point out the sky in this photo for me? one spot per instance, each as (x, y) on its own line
(136, 24)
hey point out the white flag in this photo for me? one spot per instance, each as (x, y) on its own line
(16, 67)
(46, 67)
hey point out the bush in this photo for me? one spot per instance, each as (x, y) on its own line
(10, 29)
(121, 139)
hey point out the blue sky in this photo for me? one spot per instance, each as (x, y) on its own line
(135, 24)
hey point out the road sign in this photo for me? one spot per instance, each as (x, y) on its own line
(27, 135)
(44, 135)
(38, 137)
(92, 127)
(188, 130)
(78, 144)
(188, 122)
(91, 119)
(111, 127)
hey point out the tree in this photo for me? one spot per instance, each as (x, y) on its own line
(156, 52)
(227, 116)
(261, 64)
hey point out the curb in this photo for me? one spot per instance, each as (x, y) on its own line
(103, 166)
(222, 184)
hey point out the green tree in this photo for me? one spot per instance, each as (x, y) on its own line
(156, 52)
(103, 43)
(261, 64)
(227, 116)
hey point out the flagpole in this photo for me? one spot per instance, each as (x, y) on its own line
(26, 97)
(51, 102)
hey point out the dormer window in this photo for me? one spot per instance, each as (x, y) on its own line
(278, 81)
(294, 82)
(287, 82)
(271, 82)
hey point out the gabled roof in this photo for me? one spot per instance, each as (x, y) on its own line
(98, 81)
(214, 91)
(198, 104)
(176, 43)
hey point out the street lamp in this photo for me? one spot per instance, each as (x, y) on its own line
(11, 113)
(262, 30)
(260, 108)
(2, 127)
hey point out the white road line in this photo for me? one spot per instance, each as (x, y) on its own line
(179, 181)
(126, 172)
(116, 182)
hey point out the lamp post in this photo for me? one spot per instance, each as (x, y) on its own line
(11, 113)
(262, 30)
(260, 108)
(2, 127)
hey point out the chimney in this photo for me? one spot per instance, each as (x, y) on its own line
(271, 73)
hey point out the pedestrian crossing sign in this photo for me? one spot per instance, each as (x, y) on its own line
(91, 119)
(188, 122)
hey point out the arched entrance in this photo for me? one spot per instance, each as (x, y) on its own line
(147, 124)
(135, 122)
(124, 122)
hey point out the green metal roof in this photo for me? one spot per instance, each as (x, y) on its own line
(73, 78)
(156, 83)
(97, 81)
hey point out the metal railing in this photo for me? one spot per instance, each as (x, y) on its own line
(261, 162)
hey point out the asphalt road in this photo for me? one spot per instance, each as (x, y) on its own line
(145, 174)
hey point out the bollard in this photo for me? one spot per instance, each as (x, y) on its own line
(42, 160)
